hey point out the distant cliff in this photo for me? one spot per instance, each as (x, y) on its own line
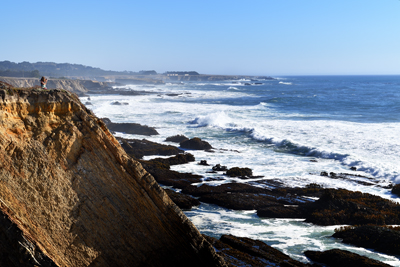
(75, 198)
(76, 86)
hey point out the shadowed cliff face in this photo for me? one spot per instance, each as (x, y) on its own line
(66, 183)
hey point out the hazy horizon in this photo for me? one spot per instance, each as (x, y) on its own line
(285, 38)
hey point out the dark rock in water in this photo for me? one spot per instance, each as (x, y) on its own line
(281, 211)
(195, 144)
(241, 196)
(219, 168)
(342, 258)
(181, 200)
(340, 206)
(379, 238)
(176, 160)
(88, 103)
(117, 103)
(139, 148)
(396, 190)
(324, 173)
(130, 128)
(176, 138)
(242, 251)
(204, 163)
(167, 177)
(353, 168)
(239, 172)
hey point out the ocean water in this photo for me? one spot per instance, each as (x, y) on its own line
(289, 129)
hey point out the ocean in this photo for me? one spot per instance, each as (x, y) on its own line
(289, 129)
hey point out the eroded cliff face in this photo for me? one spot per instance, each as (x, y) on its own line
(66, 183)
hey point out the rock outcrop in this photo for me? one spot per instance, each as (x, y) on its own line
(80, 200)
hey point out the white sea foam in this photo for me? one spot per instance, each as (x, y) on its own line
(287, 83)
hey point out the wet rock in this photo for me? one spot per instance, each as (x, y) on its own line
(396, 190)
(204, 163)
(342, 258)
(88, 103)
(176, 160)
(239, 172)
(165, 176)
(241, 251)
(241, 196)
(219, 168)
(353, 168)
(340, 206)
(176, 138)
(280, 211)
(379, 238)
(139, 148)
(195, 144)
(181, 200)
(130, 128)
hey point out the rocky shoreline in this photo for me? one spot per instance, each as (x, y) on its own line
(79, 214)
(332, 207)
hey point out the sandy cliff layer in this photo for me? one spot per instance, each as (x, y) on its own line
(66, 183)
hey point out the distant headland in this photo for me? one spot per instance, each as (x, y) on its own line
(81, 72)
(81, 79)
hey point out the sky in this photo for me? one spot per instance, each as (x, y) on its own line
(255, 37)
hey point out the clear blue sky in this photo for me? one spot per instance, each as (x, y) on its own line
(255, 37)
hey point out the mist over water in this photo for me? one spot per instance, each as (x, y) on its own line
(289, 129)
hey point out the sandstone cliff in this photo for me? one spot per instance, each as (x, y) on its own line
(75, 195)
(76, 86)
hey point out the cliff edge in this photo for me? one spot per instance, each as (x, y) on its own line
(77, 198)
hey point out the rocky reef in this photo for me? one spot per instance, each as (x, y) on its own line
(71, 191)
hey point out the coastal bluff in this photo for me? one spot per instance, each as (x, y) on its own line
(71, 196)
(79, 87)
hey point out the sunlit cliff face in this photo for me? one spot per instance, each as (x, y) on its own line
(73, 191)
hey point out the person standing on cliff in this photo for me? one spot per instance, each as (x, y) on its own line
(43, 82)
